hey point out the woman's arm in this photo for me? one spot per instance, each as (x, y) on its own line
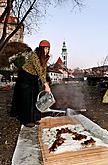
(47, 88)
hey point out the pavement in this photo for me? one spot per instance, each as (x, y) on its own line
(27, 151)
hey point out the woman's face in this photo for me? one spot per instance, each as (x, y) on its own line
(46, 50)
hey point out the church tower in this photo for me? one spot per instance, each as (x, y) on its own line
(64, 54)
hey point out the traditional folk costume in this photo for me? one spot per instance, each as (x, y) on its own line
(26, 90)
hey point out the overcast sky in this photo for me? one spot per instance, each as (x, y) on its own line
(85, 33)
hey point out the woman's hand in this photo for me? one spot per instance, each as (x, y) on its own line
(47, 88)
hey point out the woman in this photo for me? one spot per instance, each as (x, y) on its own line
(28, 84)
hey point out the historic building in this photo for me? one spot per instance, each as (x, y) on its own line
(12, 23)
(59, 71)
(64, 54)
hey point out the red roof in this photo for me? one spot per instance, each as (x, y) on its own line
(59, 61)
(55, 70)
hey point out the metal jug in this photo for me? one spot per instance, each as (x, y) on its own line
(44, 101)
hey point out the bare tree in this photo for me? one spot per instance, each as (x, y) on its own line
(105, 60)
(28, 13)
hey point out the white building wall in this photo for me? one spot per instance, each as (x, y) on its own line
(2, 5)
(65, 74)
(55, 77)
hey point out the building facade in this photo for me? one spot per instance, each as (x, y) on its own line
(57, 71)
(12, 23)
(55, 75)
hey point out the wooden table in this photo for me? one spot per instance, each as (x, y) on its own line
(86, 156)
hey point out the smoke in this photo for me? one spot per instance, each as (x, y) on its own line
(69, 95)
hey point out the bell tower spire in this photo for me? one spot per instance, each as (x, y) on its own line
(64, 54)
